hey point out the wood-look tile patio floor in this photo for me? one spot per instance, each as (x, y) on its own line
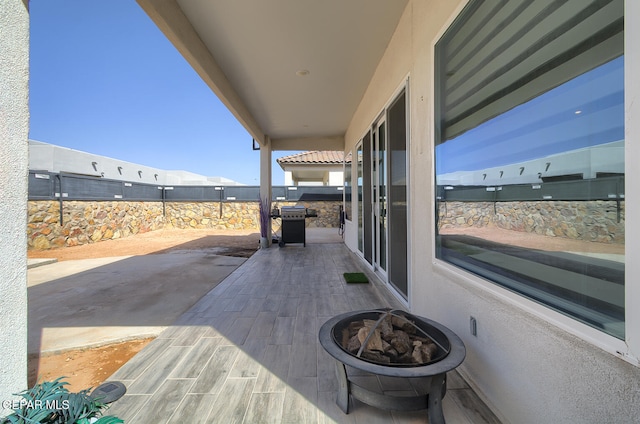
(248, 351)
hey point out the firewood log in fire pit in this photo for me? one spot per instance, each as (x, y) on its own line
(390, 340)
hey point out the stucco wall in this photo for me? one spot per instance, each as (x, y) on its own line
(86, 222)
(530, 364)
(14, 131)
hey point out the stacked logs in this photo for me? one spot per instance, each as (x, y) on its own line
(392, 341)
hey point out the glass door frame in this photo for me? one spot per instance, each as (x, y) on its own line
(379, 197)
(374, 244)
(359, 193)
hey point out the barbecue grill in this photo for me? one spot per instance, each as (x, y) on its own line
(293, 225)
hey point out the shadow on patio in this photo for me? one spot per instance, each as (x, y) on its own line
(248, 351)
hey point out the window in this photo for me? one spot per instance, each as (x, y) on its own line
(530, 152)
(360, 183)
(347, 186)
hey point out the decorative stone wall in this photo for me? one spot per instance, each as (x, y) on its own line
(92, 221)
(328, 212)
(591, 220)
(215, 215)
(88, 222)
(242, 215)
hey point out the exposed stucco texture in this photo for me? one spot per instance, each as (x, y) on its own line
(529, 364)
(14, 131)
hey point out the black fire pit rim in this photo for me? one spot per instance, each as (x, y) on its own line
(379, 314)
(451, 361)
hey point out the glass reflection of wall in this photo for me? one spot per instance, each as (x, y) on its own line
(530, 153)
(347, 187)
(360, 183)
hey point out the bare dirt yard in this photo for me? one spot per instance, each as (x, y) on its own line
(85, 368)
(241, 243)
(536, 241)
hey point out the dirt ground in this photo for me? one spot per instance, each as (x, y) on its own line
(240, 243)
(535, 241)
(85, 368)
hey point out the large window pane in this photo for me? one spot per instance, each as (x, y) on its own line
(347, 187)
(360, 182)
(397, 205)
(367, 199)
(530, 152)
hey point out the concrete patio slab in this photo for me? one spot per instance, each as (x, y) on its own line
(92, 302)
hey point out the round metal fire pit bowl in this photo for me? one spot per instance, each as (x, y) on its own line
(431, 377)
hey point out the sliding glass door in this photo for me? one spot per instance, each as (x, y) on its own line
(380, 195)
(397, 203)
(367, 211)
(382, 167)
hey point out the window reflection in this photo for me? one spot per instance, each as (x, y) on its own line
(530, 192)
(360, 182)
(347, 187)
(574, 130)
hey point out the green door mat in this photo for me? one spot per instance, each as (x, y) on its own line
(355, 277)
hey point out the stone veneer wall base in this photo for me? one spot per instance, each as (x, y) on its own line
(86, 222)
(598, 220)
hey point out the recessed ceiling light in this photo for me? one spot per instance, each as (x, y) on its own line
(302, 73)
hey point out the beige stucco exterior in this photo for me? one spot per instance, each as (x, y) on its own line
(14, 131)
(530, 364)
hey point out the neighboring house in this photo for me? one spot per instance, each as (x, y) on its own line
(325, 168)
(417, 89)
(52, 158)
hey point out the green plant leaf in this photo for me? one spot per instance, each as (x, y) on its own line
(50, 402)
(108, 419)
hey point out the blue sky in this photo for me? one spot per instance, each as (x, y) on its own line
(105, 80)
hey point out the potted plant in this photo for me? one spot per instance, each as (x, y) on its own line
(265, 217)
(50, 402)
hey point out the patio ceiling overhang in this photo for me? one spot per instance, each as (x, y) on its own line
(292, 72)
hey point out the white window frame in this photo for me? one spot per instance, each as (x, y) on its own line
(632, 157)
(628, 349)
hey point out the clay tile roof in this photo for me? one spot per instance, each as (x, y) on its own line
(314, 157)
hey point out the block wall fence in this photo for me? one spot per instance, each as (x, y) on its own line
(595, 221)
(86, 222)
(83, 222)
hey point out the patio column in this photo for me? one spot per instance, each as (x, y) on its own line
(265, 176)
(14, 160)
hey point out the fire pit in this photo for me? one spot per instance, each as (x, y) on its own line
(394, 344)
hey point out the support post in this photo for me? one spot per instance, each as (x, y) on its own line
(265, 177)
